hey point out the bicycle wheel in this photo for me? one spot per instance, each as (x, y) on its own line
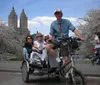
(25, 73)
(77, 78)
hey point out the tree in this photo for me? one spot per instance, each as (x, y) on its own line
(88, 30)
(11, 44)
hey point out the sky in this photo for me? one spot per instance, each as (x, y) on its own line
(40, 13)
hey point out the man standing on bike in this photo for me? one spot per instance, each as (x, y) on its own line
(58, 29)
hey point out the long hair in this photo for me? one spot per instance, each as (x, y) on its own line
(98, 34)
(99, 37)
(29, 36)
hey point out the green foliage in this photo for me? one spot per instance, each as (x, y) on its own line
(11, 48)
(34, 36)
(16, 59)
(83, 62)
(88, 31)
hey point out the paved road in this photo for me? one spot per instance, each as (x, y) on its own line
(87, 69)
(9, 78)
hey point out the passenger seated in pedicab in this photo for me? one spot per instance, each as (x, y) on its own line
(40, 50)
(28, 47)
(40, 44)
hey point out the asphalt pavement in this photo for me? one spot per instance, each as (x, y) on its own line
(86, 69)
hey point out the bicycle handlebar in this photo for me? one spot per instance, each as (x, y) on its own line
(70, 39)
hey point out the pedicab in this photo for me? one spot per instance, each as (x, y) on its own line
(39, 67)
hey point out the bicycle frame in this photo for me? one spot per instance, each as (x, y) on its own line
(71, 61)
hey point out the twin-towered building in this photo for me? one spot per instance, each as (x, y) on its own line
(13, 22)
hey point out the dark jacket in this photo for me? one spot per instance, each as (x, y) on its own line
(28, 47)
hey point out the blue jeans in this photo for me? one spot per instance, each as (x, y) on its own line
(25, 53)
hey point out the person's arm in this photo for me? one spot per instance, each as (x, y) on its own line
(35, 47)
(78, 34)
(73, 29)
(51, 32)
(51, 37)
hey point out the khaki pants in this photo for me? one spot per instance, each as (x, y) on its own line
(64, 48)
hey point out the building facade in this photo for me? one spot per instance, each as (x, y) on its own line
(23, 23)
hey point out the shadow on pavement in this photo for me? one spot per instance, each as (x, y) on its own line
(48, 81)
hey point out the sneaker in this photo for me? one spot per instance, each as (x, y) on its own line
(58, 59)
(67, 75)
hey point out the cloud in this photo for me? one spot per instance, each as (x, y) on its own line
(42, 23)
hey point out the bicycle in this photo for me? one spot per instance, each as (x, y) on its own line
(75, 76)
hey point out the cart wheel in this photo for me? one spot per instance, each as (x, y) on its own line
(25, 73)
(78, 77)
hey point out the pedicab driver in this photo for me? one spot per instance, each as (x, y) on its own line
(60, 28)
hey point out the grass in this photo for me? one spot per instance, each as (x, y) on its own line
(76, 61)
(83, 61)
(16, 59)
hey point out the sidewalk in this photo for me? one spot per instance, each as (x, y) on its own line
(89, 69)
(10, 66)
(14, 66)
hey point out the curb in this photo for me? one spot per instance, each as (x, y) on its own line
(14, 71)
(92, 75)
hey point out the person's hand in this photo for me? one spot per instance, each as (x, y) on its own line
(98, 43)
(49, 40)
(82, 38)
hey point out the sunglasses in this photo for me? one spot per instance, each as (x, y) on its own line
(29, 38)
(39, 36)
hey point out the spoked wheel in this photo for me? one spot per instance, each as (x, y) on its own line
(25, 73)
(77, 79)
